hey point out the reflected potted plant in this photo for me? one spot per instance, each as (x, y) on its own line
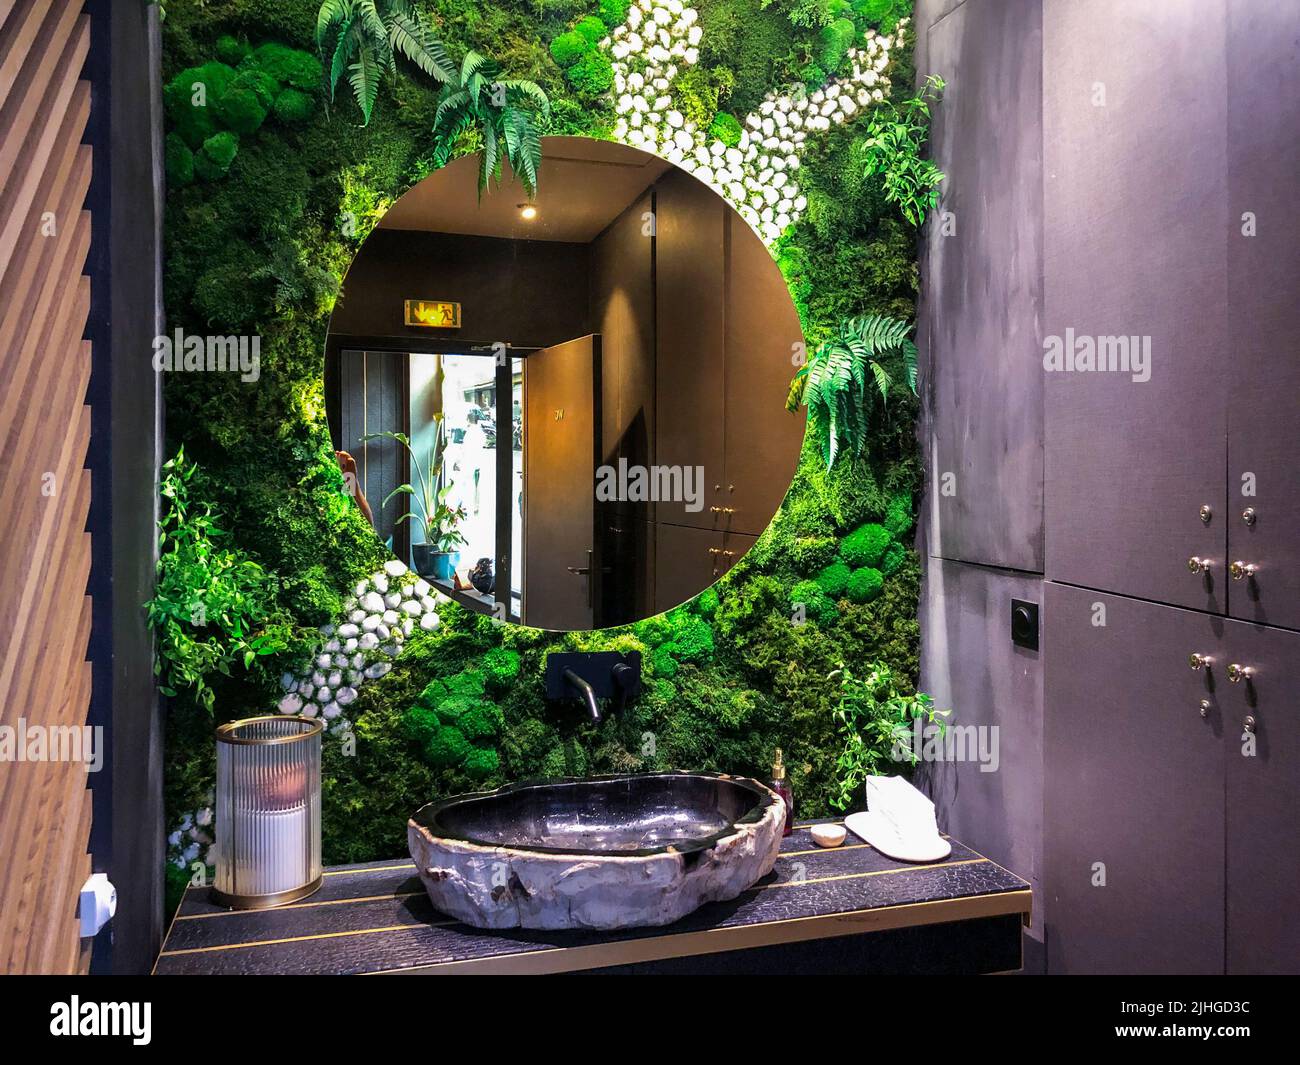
(436, 557)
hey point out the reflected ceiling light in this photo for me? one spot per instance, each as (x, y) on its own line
(527, 212)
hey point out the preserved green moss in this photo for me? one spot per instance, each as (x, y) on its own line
(178, 160)
(591, 29)
(864, 584)
(230, 50)
(568, 48)
(812, 553)
(294, 107)
(290, 67)
(865, 545)
(218, 152)
(834, 43)
(446, 747)
(189, 99)
(613, 12)
(482, 762)
(834, 579)
(726, 127)
(591, 75)
(895, 555)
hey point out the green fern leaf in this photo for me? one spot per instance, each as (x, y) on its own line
(364, 77)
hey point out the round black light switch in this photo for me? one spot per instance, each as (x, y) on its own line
(1024, 624)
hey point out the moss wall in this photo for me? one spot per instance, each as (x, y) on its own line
(269, 196)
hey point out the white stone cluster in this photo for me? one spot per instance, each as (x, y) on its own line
(383, 610)
(759, 175)
(190, 840)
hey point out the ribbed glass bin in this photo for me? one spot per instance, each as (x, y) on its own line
(268, 811)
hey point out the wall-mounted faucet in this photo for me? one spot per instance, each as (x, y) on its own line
(592, 676)
(585, 692)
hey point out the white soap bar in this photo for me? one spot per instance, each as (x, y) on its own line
(828, 835)
(902, 805)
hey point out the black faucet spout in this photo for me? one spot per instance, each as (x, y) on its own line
(585, 692)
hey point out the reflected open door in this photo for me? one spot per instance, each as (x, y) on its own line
(561, 453)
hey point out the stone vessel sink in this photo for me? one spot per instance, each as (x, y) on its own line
(603, 852)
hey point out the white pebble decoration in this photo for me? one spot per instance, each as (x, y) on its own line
(755, 179)
(382, 611)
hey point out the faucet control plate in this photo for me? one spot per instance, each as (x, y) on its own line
(597, 668)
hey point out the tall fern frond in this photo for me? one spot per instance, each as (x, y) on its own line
(527, 92)
(332, 13)
(413, 39)
(834, 385)
(364, 78)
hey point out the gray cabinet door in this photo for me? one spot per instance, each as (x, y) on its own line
(1263, 793)
(761, 440)
(1133, 786)
(1262, 366)
(980, 321)
(687, 561)
(689, 341)
(1134, 201)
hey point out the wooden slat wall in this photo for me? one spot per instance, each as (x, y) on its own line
(45, 807)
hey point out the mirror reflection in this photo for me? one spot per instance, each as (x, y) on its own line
(566, 412)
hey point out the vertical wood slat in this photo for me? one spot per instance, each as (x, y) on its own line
(45, 807)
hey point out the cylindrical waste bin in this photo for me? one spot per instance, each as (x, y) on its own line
(268, 811)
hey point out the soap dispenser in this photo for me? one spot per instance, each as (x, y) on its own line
(782, 787)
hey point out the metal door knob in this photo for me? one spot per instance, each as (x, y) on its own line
(1248, 515)
(1198, 661)
(1207, 512)
(1237, 673)
(1241, 570)
(1199, 565)
(1249, 723)
(1205, 707)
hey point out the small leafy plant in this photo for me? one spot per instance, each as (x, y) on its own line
(876, 720)
(212, 608)
(834, 383)
(895, 138)
(438, 520)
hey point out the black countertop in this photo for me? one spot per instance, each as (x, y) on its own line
(376, 918)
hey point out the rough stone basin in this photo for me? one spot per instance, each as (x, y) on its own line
(604, 852)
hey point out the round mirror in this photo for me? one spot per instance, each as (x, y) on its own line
(566, 412)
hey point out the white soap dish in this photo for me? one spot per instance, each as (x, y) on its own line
(879, 832)
(828, 835)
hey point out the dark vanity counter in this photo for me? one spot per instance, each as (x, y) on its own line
(849, 909)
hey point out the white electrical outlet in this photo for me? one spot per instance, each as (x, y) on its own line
(98, 904)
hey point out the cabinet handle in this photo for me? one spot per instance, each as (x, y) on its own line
(1249, 723)
(1248, 515)
(1198, 661)
(1237, 673)
(1206, 706)
(1241, 570)
(1199, 565)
